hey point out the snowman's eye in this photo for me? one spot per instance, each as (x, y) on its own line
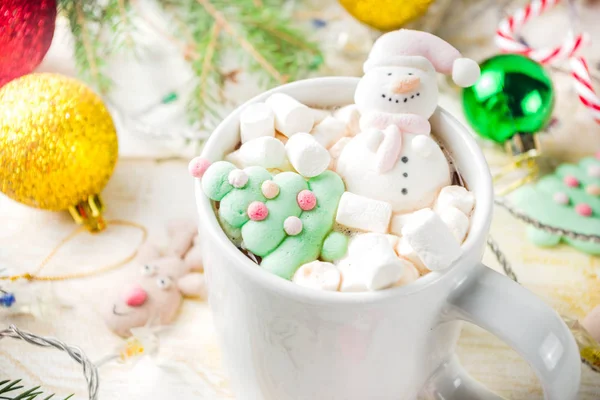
(163, 283)
(410, 73)
(148, 270)
(389, 74)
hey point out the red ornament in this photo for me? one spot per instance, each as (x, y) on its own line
(26, 30)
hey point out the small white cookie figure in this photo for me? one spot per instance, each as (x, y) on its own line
(393, 162)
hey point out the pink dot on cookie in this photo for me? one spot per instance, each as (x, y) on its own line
(593, 189)
(584, 210)
(561, 198)
(594, 171)
(257, 211)
(269, 189)
(306, 200)
(237, 178)
(571, 181)
(198, 166)
(292, 226)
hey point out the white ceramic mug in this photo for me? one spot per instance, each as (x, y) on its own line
(281, 341)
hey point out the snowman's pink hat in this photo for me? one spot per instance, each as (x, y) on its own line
(407, 47)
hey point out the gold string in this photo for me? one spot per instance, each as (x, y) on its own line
(34, 275)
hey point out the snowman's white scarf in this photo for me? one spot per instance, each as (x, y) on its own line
(393, 127)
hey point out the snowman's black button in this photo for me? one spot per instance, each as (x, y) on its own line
(383, 95)
(405, 175)
(404, 191)
(404, 159)
(405, 100)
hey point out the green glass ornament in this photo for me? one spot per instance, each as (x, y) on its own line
(513, 95)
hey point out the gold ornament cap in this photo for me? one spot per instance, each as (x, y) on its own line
(58, 145)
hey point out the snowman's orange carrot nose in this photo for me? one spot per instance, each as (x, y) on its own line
(405, 84)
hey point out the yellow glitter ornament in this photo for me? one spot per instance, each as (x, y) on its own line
(58, 146)
(386, 15)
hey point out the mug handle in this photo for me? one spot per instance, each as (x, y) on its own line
(515, 315)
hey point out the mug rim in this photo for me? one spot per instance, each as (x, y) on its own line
(251, 271)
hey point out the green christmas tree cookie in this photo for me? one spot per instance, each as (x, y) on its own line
(285, 219)
(568, 199)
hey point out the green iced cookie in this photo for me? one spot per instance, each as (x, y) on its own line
(561, 200)
(261, 237)
(316, 224)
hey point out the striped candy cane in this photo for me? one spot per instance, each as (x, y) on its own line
(507, 42)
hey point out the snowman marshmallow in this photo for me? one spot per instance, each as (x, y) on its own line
(393, 162)
(400, 78)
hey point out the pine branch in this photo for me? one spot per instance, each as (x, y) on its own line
(8, 386)
(89, 22)
(259, 31)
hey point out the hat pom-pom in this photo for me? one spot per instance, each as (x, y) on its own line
(465, 72)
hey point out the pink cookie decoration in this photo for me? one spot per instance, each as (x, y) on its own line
(561, 198)
(306, 200)
(269, 189)
(292, 226)
(198, 166)
(237, 178)
(597, 155)
(593, 189)
(571, 181)
(584, 210)
(257, 211)
(594, 171)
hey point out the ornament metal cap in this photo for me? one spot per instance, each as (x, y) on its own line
(89, 213)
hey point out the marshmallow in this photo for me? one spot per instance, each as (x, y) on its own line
(318, 275)
(412, 183)
(431, 240)
(266, 152)
(371, 264)
(336, 150)
(398, 222)
(409, 275)
(291, 116)
(256, 120)
(457, 221)
(465, 72)
(329, 131)
(320, 114)
(404, 250)
(455, 196)
(423, 145)
(363, 213)
(350, 116)
(307, 156)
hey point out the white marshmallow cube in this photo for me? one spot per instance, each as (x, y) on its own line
(291, 116)
(457, 221)
(266, 152)
(306, 155)
(318, 275)
(329, 131)
(410, 274)
(256, 120)
(398, 221)
(431, 240)
(455, 196)
(350, 116)
(371, 264)
(405, 250)
(320, 114)
(363, 213)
